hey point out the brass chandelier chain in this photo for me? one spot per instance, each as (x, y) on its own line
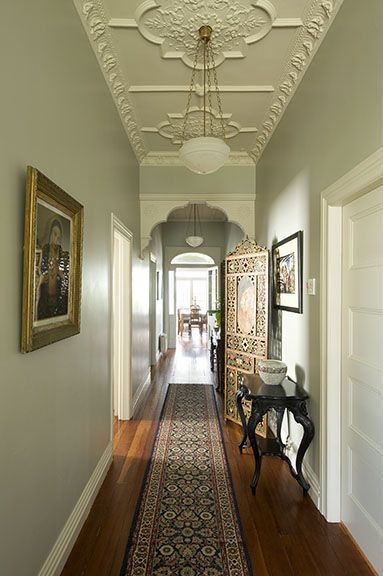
(192, 83)
(220, 113)
(209, 89)
(208, 66)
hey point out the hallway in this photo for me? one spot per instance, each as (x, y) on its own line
(285, 533)
(190, 362)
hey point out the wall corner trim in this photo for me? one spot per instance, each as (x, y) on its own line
(57, 557)
(140, 390)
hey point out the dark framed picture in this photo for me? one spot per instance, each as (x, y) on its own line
(287, 273)
(53, 235)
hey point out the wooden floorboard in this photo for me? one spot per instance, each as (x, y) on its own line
(285, 533)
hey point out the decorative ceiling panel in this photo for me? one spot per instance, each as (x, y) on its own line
(146, 50)
(174, 24)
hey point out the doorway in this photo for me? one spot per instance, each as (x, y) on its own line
(352, 371)
(153, 297)
(121, 320)
(362, 373)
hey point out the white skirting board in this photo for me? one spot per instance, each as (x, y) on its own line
(55, 562)
(312, 479)
(138, 393)
(308, 473)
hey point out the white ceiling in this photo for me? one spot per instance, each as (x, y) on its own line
(145, 50)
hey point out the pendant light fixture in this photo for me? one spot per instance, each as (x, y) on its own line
(194, 240)
(205, 154)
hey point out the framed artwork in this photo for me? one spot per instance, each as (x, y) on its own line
(287, 273)
(53, 235)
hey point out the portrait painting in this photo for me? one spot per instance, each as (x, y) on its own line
(52, 263)
(246, 304)
(287, 273)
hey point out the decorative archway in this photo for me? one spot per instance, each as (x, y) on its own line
(154, 210)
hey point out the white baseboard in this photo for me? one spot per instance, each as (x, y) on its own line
(57, 557)
(313, 480)
(137, 395)
(308, 473)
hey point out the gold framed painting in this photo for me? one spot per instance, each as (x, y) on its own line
(53, 236)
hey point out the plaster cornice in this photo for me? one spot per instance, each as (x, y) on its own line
(95, 22)
(316, 24)
(211, 197)
(172, 159)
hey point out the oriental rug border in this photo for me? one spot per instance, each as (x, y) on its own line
(186, 520)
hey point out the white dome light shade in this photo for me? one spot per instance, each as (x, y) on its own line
(204, 154)
(194, 241)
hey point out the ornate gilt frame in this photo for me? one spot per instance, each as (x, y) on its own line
(34, 336)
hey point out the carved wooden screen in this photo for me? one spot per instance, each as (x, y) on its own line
(246, 307)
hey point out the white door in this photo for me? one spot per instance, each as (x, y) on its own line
(362, 374)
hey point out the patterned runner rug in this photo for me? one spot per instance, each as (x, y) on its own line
(186, 521)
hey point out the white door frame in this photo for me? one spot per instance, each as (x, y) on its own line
(153, 288)
(359, 181)
(125, 403)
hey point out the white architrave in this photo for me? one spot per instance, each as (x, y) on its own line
(359, 181)
(123, 307)
(156, 208)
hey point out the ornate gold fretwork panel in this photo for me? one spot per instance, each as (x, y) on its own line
(246, 289)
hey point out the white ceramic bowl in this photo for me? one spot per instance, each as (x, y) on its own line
(272, 371)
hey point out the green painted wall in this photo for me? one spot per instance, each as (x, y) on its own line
(57, 114)
(333, 122)
(180, 180)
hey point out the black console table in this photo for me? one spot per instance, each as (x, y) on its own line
(216, 357)
(285, 396)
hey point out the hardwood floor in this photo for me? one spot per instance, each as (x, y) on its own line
(286, 534)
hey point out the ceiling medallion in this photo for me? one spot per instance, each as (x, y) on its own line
(174, 24)
(173, 128)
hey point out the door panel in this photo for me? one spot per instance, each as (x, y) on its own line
(362, 373)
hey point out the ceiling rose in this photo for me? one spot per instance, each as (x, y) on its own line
(173, 128)
(173, 24)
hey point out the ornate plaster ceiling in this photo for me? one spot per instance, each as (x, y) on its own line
(145, 50)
